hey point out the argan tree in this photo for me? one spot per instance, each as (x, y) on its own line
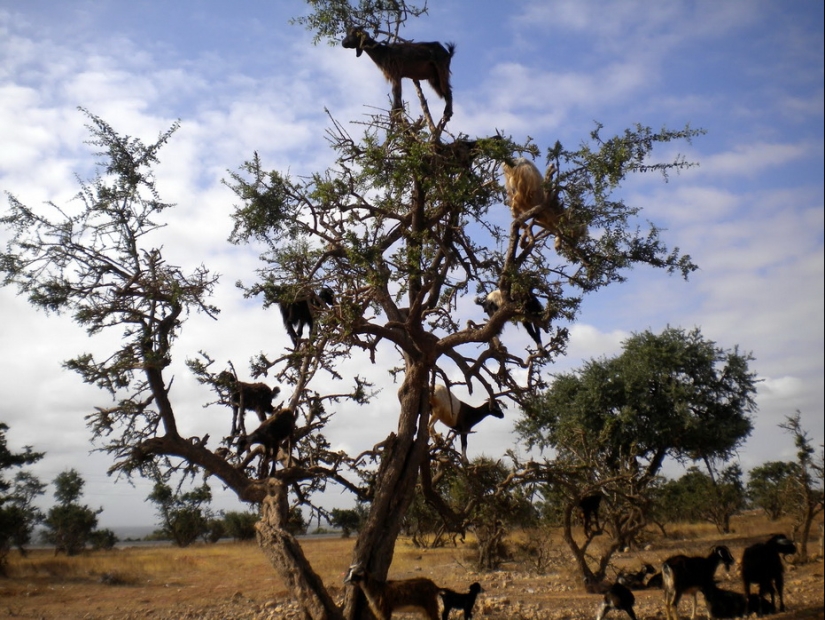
(400, 229)
(613, 423)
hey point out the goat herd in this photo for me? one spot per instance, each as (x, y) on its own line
(680, 575)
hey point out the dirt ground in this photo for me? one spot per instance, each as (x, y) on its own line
(234, 581)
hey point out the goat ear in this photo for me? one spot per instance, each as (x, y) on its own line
(358, 52)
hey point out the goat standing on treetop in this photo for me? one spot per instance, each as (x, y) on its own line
(458, 415)
(415, 61)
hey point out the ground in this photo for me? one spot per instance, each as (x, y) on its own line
(234, 581)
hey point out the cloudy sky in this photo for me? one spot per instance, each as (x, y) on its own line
(242, 79)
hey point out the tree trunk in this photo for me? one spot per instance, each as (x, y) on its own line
(286, 555)
(395, 484)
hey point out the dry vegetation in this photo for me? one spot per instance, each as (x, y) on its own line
(234, 581)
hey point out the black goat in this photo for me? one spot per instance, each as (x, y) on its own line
(762, 565)
(588, 508)
(415, 61)
(617, 597)
(270, 434)
(458, 415)
(724, 603)
(245, 397)
(300, 312)
(457, 600)
(532, 311)
(636, 581)
(683, 574)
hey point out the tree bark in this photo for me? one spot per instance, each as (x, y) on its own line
(287, 557)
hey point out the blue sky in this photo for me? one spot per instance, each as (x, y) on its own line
(242, 79)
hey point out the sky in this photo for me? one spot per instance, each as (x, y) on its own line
(241, 79)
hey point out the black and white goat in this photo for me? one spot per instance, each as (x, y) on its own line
(458, 600)
(385, 597)
(762, 565)
(636, 580)
(683, 574)
(458, 415)
(617, 597)
(531, 316)
(415, 61)
(245, 397)
(301, 311)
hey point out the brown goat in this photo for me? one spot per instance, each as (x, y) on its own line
(526, 189)
(415, 61)
(245, 397)
(384, 597)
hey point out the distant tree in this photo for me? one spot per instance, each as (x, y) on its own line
(184, 516)
(768, 487)
(806, 481)
(69, 524)
(240, 525)
(18, 515)
(348, 520)
(613, 423)
(296, 524)
(104, 540)
(215, 530)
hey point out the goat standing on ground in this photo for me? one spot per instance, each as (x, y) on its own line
(526, 189)
(531, 318)
(617, 597)
(415, 61)
(762, 564)
(245, 397)
(384, 597)
(457, 600)
(458, 415)
(589, 513)
(301, 311)
(682, 574)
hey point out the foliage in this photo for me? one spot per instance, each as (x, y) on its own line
(18, 515)
(103, 540)
(185, 517)
(613, 423)
(348, 520)
(768, 487)
(240, 525)
(69, 525)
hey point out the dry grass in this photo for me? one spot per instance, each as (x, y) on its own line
(167, 582)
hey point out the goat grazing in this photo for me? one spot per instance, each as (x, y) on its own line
(457, 600)
(531, 318)
(588, 508)
(636, 581)
(526, 189)
(245, 397)
(682, 574)
(415, 61)
(724, 603)
(762, 565)
(384, 597)
(270, 434)
(617, 597)
(300, 312)
(458, 415)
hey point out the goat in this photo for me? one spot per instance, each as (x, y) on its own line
(655, 580)
(457, 600)
(270, 434)
(526, 189)
(415, 61)
(384, 597)
(762, 565)
(588, 508)
(531, 317)
(245, 397)
(301, 311)
(682, 574)
(758, 604)
(458, 415)
(617, 597)
(636, 581)
(724, 603)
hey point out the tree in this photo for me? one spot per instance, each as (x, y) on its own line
(806, 481)
(398, 229)
(713, 497)
(69, 524)
(185, 516)
(348, 520)
(768, 487)
(18, 515)
(240, 525)
(613, 422)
